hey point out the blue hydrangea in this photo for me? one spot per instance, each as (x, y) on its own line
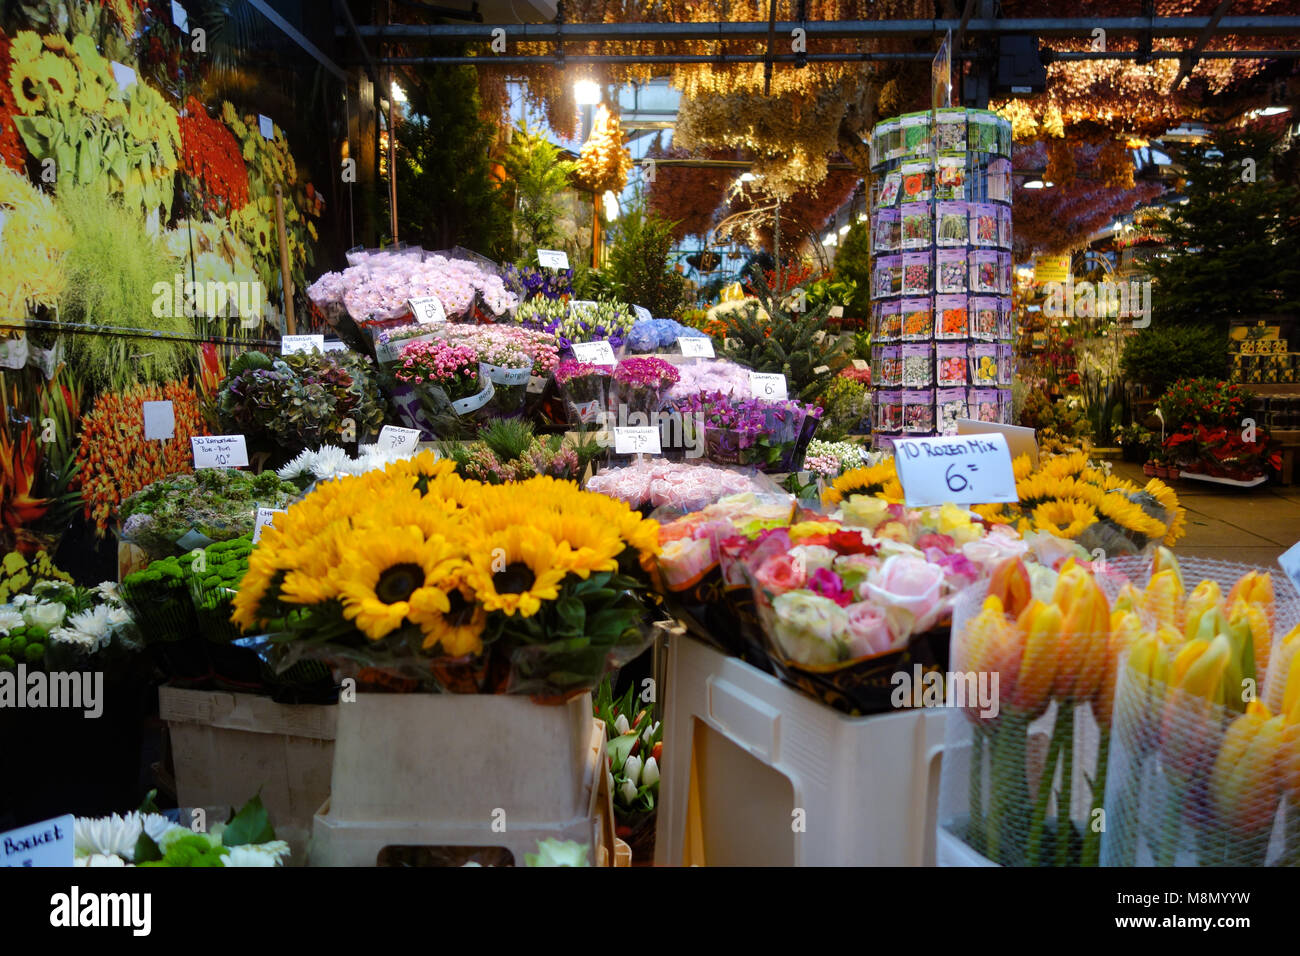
(655, 335)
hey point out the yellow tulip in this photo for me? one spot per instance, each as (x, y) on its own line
(1085, 633)
(1200, 667)
(1207, 598)
(1125, 631)
(1251, 621)
(1163, 598)
(1282, 688)
(1128, 599)
(1041, 624)
(991, 644)
(1244, 784)
(1164, 560)
(1256, 587)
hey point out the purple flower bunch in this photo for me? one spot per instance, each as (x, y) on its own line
(531, 282)
(646, 373)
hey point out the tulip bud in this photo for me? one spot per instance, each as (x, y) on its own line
(1165, 561)
(632, 769)
(1163, 599)
(627, 791)
(1039, 661)
(1244, 781)
(1128, 599)
(1010, 584)
(620, 724)
(650, 775)
(1205, 599)
(1201, 672)
(609, 781)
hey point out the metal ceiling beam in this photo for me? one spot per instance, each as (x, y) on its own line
(1189, 62)
(830, 29)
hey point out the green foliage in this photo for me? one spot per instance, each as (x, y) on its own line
(787, 342)
(112, 266)
(1162, 354)
(509, 438)
(1234, 246)
(853, 264)
(445, 192)
(538, 175)
(593, 284)
(638, 264)
(845, 403)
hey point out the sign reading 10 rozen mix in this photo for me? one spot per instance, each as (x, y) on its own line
(956, 469)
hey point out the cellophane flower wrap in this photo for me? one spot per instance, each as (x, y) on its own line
(413, 577)
(1205, 745)
(582, 323)
(585, 388)
(772, 435)
(641, 386)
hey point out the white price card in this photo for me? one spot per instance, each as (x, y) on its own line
(427, 310)
(837, 312)
(576, 304)
(536, 384)
(768, 385)
(1290, 561)
(697, 345)
(265, 518)
(159, 420)
(265, 126)
(961, 469)
(180, 17)
(301, 343)
(123, 75)
(639, 440)
(219, 451)
(599, 352)
(392, 438)
(552, 258)
(48, 843)
(821, 369)
(861, 365)
(642, 314)
(334, 345)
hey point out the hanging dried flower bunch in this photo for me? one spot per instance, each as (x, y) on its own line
(688, 195)
(604, 161)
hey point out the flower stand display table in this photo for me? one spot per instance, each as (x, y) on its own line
(758, 774)
(462, 770)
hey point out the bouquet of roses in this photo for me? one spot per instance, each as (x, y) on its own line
(640, 385)
(585, 388)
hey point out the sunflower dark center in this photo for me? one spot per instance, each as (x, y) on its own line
(399, 582)
(515, 579)
(459, 611)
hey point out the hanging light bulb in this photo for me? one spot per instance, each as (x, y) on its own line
(611, 205)
(587, 92)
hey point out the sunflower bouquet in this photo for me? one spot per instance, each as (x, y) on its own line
(417, 578)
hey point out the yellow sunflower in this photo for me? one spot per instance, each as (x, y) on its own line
(1022, 467)
(1168, 500)
(879, 480)
(252, 590)
(516, 569)
(59, 79)
(25, 80)
(1065, 466)
(998, 513)
(590, 544)
(92, 96)
(456, 627)
(382, 572)
(1130, 516)
(1065, 518)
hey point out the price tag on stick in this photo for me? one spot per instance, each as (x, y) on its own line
(638, 440)
(427, 310)
(961, 469)
(768, 385)
(696, 345)
(595, 353)
(392, 438)
(219, 451)
(552, 259)
(265, 518)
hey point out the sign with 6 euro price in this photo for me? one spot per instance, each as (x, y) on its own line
(957, 469)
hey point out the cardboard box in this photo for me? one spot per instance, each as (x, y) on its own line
(227, 747)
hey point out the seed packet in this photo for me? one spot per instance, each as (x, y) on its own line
(886, 136)
(981, 131)
(950, 405)
(1004, 227)
(950, 365)
(950, 177)
(983, 271)
(891, 366)
(983, 365)
(983, 404)
(895, 143)
(951, 321)
(1006, 320)
(917, 267)
(916, 225)
(887, 276)
(917, 320)
(889, 411)
(998, 179)
(950, 130)
(916, 134)
(917, 182)
(887, 322)
(984, 318)
(950, 270)
(1006, 363)
(884, 232)
(983, 224)
(952, 228)
(918, 411)
(1004, 273)
(1006, 407)
(918, 365)
(1004, 137)
(887, 196)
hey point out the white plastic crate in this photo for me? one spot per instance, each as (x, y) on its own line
(743, 753)
(431, 770)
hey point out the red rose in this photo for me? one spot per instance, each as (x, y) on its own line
(850, 542)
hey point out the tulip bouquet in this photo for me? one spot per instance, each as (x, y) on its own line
(1206, 722)
(633, 756)
(584, 323)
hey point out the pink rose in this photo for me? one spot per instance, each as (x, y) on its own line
(941, 542)
(780, 573)
(908, 584)
(868, 630)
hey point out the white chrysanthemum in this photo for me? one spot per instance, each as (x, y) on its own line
(262, 854)
(117, 615)
(109, 836)
(90, 629)
(330, 461)
(158, 826)
(70, 635)
(22, 600)
(302, 466)
(107, 591)
(9, 619)
(100, 859)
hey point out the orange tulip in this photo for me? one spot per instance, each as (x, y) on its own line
(1085, 632)
(1244, 783)
(1040, 660)
(1256, 587)
(991, 644)
(1010, 583)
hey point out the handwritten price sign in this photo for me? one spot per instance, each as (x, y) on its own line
(392, 438)
(301, 343)
(640, 440)
(265, 518)
(427, 310)
(219, 451)
(768, 385)
(696, 345)
(594, 353)
(961, 470)
(552, 259)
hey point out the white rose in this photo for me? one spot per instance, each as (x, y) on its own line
(47, 616)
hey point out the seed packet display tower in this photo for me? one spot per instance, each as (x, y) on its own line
(941, 319)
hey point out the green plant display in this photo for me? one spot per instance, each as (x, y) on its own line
(853, 265)
(539, 175)
(638, 264)
(845, 403)
(1162, 354)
